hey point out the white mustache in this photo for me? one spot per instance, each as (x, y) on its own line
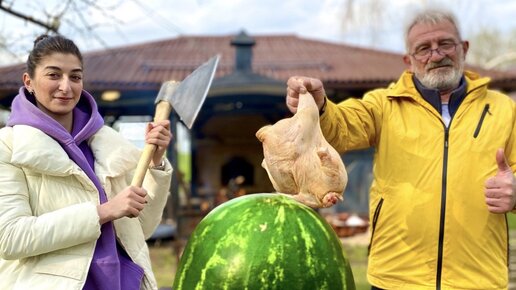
(442, 62)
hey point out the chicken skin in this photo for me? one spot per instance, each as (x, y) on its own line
(298, 159)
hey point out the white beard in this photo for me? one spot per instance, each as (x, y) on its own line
(442, 80)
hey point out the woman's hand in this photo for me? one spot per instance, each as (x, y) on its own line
(158, 133)
(129, 202)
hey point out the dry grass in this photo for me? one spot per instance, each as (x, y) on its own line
(164, 261)
(164, 264)
(357, 256)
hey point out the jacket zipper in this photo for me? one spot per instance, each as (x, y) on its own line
(443, 213)
(375, 220)
(508, 244)
(443, 195)
(481, 121)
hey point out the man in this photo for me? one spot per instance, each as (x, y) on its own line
(443, 164)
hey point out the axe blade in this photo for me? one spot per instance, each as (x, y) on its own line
(188, 97)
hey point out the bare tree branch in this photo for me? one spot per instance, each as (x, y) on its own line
(164, 22)
(88, 27)
(82, 20)
(54, 26)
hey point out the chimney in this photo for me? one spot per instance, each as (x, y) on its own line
(243, 44)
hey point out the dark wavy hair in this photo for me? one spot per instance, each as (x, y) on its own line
(45, 45)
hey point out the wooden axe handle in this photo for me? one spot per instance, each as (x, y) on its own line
(163, 110)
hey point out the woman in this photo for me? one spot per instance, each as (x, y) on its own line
(66, 207)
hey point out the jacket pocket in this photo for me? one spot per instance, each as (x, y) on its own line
(375, 221)
(481, 121)
(70, 266)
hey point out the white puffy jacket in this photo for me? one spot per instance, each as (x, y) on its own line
(48, 217)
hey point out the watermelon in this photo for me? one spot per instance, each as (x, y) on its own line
(263, 241)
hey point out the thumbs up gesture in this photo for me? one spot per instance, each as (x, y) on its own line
(500, 189)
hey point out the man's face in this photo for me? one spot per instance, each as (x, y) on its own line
(436, 55)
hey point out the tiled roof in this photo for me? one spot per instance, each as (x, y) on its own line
(147, 65)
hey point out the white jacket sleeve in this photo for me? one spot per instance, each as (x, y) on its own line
(157, 184)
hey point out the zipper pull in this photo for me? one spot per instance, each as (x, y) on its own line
(481, 121)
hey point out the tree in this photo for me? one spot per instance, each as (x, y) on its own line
(493, 50)
(369, 14)
(478, 53)
(52, 25)
(80, 20)
(372, 19)
(46, 18)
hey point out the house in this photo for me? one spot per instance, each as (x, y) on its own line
(248, 92)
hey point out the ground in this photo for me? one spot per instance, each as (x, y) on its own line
(164, 261)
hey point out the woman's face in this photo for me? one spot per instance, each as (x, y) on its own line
(57, 84)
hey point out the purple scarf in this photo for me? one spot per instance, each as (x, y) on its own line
(111, 267)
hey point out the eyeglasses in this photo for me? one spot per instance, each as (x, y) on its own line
(443, 49)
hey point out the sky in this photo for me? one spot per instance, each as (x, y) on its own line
(124, 22)
(118, 23)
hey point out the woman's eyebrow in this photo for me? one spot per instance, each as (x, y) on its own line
(51, 67)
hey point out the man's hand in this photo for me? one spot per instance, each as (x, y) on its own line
(299, 85)
(500, 189)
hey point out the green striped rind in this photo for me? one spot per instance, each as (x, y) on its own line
(263, 241)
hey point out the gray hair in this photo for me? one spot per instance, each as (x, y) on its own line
(431, 16)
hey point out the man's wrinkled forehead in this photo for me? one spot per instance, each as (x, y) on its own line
(427, 33)
(429, 18)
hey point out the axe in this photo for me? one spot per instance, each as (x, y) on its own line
(186, 98)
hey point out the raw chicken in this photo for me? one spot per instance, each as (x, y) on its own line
(299, 160)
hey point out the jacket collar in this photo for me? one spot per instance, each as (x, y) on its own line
(433, 97)
(41, 153)
(35, 150)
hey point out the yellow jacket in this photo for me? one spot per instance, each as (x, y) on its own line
(429, 220)
(48, 218)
